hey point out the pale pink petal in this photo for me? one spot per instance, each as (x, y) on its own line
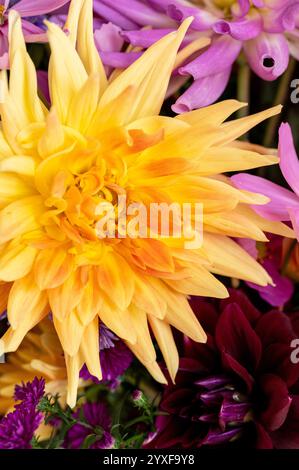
(289, 163)
(281, 199)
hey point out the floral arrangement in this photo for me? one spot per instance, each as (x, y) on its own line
(149, 224)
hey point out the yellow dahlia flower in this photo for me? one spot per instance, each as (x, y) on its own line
(41, 355)
(100, 140)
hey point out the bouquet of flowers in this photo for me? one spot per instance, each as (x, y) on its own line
(149, 224)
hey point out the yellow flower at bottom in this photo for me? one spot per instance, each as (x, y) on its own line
(99, 141)
(40, 355)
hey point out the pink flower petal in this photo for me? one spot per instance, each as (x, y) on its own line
(289, 163)
(35, 7)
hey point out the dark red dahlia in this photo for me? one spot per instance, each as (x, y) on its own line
(241, 388)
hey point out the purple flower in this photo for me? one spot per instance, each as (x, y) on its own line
(284, 204)
(30, 393)
(31, 12)
(266, 32)
(17, 428)
(97, 423)
(115, 358)
(241, 388)
(270, 256)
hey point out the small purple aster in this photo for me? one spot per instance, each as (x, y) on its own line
(18, 427)
(97, 423)
(115, 358)
(30, 393)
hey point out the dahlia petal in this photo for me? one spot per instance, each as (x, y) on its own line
(235, 336)
(278, 399)
(70, 332)
(114, 16)
(214, 114)
(164, 337)
(31, 8)
(64, 59)
(86, 44)
(119, 60)
(12, 187)
(20, 217)
(89, 349)
(248, 27)
(224, 252)
(144, 38)
(202, 21)
(84, 104)
(64, 298)
(16, 261)
(52, 267)
(109, 37)
(281, 292)
(25, 296)
(53, 138)
(289, 163)
(202, 92)
(91, 301)
(144, 75)
(225, 159)
(267, 47)
(236, 128)
(294, 216)
(140, 13)
(280, 198)
(184, 320)
(118, 321)
(73, 366)
(116, 279)
(218, 58)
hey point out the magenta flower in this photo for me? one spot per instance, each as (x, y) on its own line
(18, 427)
(31, 12)
(97, 423)
(266, 31)
(284, 204)
(239, 389)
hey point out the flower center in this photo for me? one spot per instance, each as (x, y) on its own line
(75, 205)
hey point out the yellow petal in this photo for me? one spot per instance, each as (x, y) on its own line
(52, 268)
(214, 114)
(20, 217)
(89, 349)
(66, 71)
(70, 332)
(150, 74)
(26, 304)
(183, 319)
(86, 45)
(64, 298)
(12, 187)
(164, 337)
(16, 261)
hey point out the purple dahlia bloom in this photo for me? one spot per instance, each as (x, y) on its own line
(31, 12)
(265, 30)
(115, 358)
(241, 388)
(18, 427)
(97, 422)
(284, 204)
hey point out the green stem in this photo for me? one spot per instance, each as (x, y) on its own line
(281, 97)
(243, 90)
